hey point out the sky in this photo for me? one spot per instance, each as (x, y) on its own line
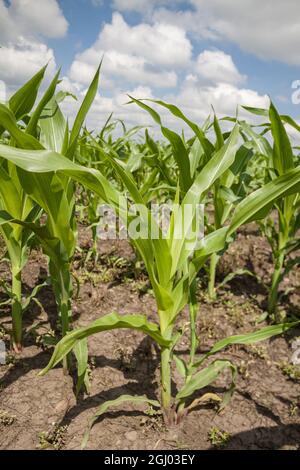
(194, 53)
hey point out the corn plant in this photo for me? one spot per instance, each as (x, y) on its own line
(227, 191)
(281, 233)
(13, 198)
(123, 149)
(55, 195)
(172, 262)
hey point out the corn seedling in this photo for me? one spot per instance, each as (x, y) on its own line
(54, 194)
(282, 236)
(13, 198)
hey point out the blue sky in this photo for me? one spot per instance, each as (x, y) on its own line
(195, 53)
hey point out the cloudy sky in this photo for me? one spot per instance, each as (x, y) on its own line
(194, 53)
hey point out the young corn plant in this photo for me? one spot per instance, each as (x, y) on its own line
(54, 194)
(13, 198)
(172, 262)
(17, 240)
(280, 231)
(227, 191)
(121, 148)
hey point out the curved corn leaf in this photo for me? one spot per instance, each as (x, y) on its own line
(265, 112)
(108, 322)
(231, 276)
(112, 403)
(217, 165)
(179, 150)
(22, 102)
(34, 118)
(50, 244)
(9, 123)
(248, 338)
(212, 243)
(206, 144)
(258, 204)
(205, 377)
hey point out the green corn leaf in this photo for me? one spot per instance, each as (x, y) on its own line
(33, 294)
(265, 112)
(82, 113)
(238, 272)
(196, 156)
(207, 146)
(249, 338)
(50, 244)
(218, 132)
(111, 404)
(9, 123)
(53, 126)
(32, 125)
(82, 356)
(258, 204)
(108, 322)
(22, 102)
(180, 366)
(212, 243)
(179, 150)
(257, 111)
(283, 154)
(204, 377)
(181, 156)
(260, 143)
(217, 165)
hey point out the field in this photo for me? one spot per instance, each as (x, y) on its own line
(147, 342)
(263, 414)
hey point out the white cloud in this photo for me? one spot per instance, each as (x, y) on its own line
(152, 58)
(23, 24)
(145, 60)
(20, 61)
(142, 54)
(268, 29)
(160, 44)
(121, 66)
(218, 67)
(31, 18)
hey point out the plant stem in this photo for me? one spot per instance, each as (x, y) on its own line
(17, 309)
(193, 312)
(214, 259)
(165, 368)
(276, 278)
(65, 310)
(166, 379)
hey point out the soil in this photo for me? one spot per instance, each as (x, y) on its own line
(42, 412)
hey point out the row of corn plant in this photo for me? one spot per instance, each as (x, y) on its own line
(281, 228)
(24, 195)
(172, 262)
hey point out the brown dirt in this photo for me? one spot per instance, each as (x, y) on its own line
(264, 412)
